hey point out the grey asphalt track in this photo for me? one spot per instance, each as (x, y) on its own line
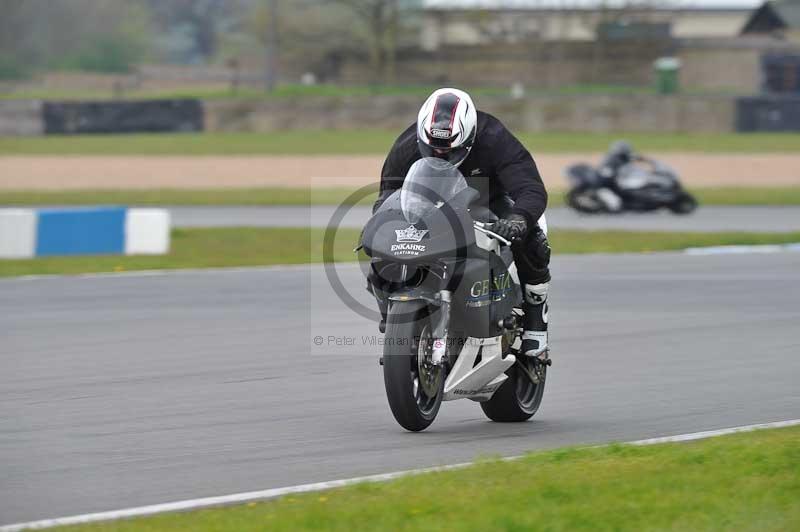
(705, 219)
(119, 391)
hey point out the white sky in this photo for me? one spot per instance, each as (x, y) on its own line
(563, 4)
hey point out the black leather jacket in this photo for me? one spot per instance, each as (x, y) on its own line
(498, 166)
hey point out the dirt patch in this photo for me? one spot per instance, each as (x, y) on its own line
(140, 172)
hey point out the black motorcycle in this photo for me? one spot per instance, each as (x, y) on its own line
(639, 186)
(452, 306)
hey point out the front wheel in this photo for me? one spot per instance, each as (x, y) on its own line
(684, 204)
(519, 397)
(584, 201)
(414, 387)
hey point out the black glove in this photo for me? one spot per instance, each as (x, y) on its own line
(512, 228)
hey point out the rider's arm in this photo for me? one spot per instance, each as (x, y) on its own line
(400, 158)
(390, 180)
(519, 176)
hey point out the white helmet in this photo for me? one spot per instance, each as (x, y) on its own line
(446, 125)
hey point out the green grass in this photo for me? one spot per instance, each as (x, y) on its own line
(742, 482)
(250, 93)
(330, 142)
(748, 196)
(307, 91)
(202, 248)
(237, 246)
(329, 91)
(216, 197)
(578, 241)
(730, 196)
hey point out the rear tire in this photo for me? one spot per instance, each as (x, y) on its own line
(406, 329)
(517, 399)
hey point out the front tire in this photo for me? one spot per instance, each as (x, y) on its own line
(684, 204)
(584, 201)
(407, 332)
(518, 398)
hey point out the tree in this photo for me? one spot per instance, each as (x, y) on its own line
(112, 35)
(264, 26)
(311, 33)
(193, 28)
(320, 35)
(380, 19)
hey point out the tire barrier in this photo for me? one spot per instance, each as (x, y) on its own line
(768, 113)
(146, 116)
(28, 233)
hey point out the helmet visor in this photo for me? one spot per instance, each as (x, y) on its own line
(454, 156)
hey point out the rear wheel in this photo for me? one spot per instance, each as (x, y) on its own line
(519, 397)
(414, 387)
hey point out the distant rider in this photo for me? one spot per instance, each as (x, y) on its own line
(495, 163)
(619, 154)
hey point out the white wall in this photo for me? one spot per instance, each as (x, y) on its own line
(17, 233)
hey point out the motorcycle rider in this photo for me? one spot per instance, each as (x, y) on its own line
(619, 154)
(495, 163)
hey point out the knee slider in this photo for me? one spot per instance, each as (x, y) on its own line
(542, 249)
(536, 294)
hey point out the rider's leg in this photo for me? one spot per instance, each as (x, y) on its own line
(532, 257)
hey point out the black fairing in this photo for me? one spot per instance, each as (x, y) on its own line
(483, 291)
(449, 231)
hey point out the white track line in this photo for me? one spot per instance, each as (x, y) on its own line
(712, 433)
(738, 250)
(250, 496)
(176, 272)
(167, 272)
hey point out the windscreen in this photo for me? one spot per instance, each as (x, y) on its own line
(639, 175)
(429, 184)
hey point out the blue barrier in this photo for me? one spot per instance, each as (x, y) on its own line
(89, 231)
(27, 233)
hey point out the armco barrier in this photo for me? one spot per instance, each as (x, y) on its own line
(135, 116)
(538, 112)
(768, 113)
(27, 233)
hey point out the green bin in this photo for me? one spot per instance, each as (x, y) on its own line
(667, 69)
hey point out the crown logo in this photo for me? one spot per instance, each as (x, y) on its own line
(410, 234)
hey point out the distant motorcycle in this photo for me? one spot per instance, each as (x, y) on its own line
(639, 186)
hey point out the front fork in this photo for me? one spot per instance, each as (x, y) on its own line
(440, 330)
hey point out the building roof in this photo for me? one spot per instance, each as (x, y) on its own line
(549, 5)
(789, 11)
(773, 16)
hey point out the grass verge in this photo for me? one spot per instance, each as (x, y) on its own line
(743, 482)
(291, 90)
(248, 246)
(731, 196)
(282, 91)
(774, 196)
(579, 241)
(211, 197)
(218, 247)
(360, 142)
